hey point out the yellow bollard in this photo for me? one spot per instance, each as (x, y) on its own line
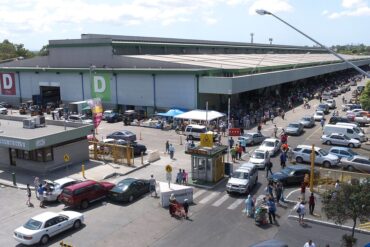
(83, 170)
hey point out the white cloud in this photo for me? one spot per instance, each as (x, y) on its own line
(273, 6)
(352, 8)
(325, 12)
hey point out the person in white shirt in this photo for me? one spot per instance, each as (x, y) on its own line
(309, 244)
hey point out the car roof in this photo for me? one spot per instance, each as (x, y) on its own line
(64, 180)
(250, 133)
(81, 185)
(260, 151)
(334, 133)
(319, 112)
(247, 166)
(309, 147)
(299, 167)
(196, 126)
(45, 216)
(271, 139)
(339, 148)
(361, 157)
(294, 123)
(106, 140)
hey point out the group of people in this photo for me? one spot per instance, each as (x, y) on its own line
(182, 177)
(176, 209)
(170, 149)
(40, 190)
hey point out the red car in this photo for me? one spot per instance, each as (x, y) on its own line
(82, 194)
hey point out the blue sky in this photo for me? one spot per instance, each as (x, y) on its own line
(34, 22)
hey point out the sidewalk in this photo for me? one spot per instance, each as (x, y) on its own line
(318, 216)
(95, 170)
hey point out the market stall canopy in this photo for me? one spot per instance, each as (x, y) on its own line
(171, 113)
(200, 115)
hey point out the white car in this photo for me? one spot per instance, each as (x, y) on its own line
(331, 103)
(42, 227)
(354, 111)
(260, 158)
(79, 119)
(3, 110)
(271, 145)
(56, 188)
(340, 139)
(319, 115)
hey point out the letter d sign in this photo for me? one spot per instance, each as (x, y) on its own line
(100, 87)
(7, 82)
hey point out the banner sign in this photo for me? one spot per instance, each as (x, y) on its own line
(234, 132)
(97, 110)
(7, 81)
(100, 86)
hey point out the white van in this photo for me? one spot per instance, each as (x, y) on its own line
(355, 126)
(345, 130)
(243, 179)
(193, 131)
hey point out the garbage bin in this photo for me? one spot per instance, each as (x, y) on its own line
(228, 168)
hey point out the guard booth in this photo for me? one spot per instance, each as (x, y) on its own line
(207, 163)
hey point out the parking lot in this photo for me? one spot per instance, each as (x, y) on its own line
(216, 218)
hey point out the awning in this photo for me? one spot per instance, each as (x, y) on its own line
(171, 113)
(200, 115)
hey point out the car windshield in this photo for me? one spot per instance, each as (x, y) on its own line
(293, 125)
(123, 185)
(241, 175)
(268, 144)
(346, 138)
(319, 113)
(306, 119)
(258, 155)
(351, 152)
(33, 224)
(287, 171)
(323, 152)
(247, 136)
(111, 114)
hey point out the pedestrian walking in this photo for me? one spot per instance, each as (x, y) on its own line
(311, 203)
(283, 114)
(270, 189)
(310, 244)
(36, 184)
(301, 210)
(40, 191)
(303, 191)
(322, 123)
(271, 210)
(179, 177)
(283, 160)
(243, 143)
(231, 142)
(167, 147)
(152, 184)
(268, 168)
(259, 128)
(171, 149)
(249, 205)
(28, 191)
(290, 154)
(240, 152)
(278, 192)
(275, 130)
(184, 177)
(186, 208)
(272, 118)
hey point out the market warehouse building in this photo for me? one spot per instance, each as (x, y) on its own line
(42, 149)
(159, 73)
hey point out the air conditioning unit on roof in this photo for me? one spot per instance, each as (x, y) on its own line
(29, 123)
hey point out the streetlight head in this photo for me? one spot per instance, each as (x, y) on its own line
(262, 12)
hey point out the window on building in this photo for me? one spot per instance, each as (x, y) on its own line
(40, 155)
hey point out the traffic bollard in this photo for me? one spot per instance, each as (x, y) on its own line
(142, 158)
(83, 170)
(180, 140)
(14, 179)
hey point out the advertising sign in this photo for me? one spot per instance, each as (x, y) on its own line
(100, 86)
(7, 82)
(97, 110)
(206, 140)
(234, 132)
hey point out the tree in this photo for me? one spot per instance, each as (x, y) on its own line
(44, 51)
(365, 97)
(9, 50)
(349, 202)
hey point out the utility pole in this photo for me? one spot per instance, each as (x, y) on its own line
(270, 39)
(252, 34)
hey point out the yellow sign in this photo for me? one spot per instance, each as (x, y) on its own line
(66, 158)
(206, 140)
(168, 168)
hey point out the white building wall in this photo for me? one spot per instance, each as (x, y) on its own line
(176, 91)
(135, 89)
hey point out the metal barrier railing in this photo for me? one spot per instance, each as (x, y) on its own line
(328, 177)
(109, 152)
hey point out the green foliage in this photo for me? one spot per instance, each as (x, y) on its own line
(44, 51)
(9, 50)
(352, 49)
(365, 97)
(350, 202)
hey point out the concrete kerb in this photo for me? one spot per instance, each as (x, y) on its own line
(117, 174)
(325, 223)
(208, 187)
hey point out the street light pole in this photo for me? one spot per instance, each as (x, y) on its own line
(264, 12)
(228, 124)
(270, 39)
(252, 34)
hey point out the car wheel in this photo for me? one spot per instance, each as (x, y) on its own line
(299, 160)
(77, 224)
(326, 164)
(131, 198)
(351, 145)
(328, 142)
(84, 204)
(44, 240)
(350, 168)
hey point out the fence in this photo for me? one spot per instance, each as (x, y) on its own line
(114, 153)
(327, 178)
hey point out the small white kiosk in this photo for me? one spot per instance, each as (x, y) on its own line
(181, 193)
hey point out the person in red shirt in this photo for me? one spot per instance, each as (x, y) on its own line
(311, 203)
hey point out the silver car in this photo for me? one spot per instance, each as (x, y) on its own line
(319, 115)
(356, 162)
(294, 129)
(307, 121)
(340, 139)
(302, 153)
(260, 158)
(271, 145)
(56, 187)
(252, 138)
